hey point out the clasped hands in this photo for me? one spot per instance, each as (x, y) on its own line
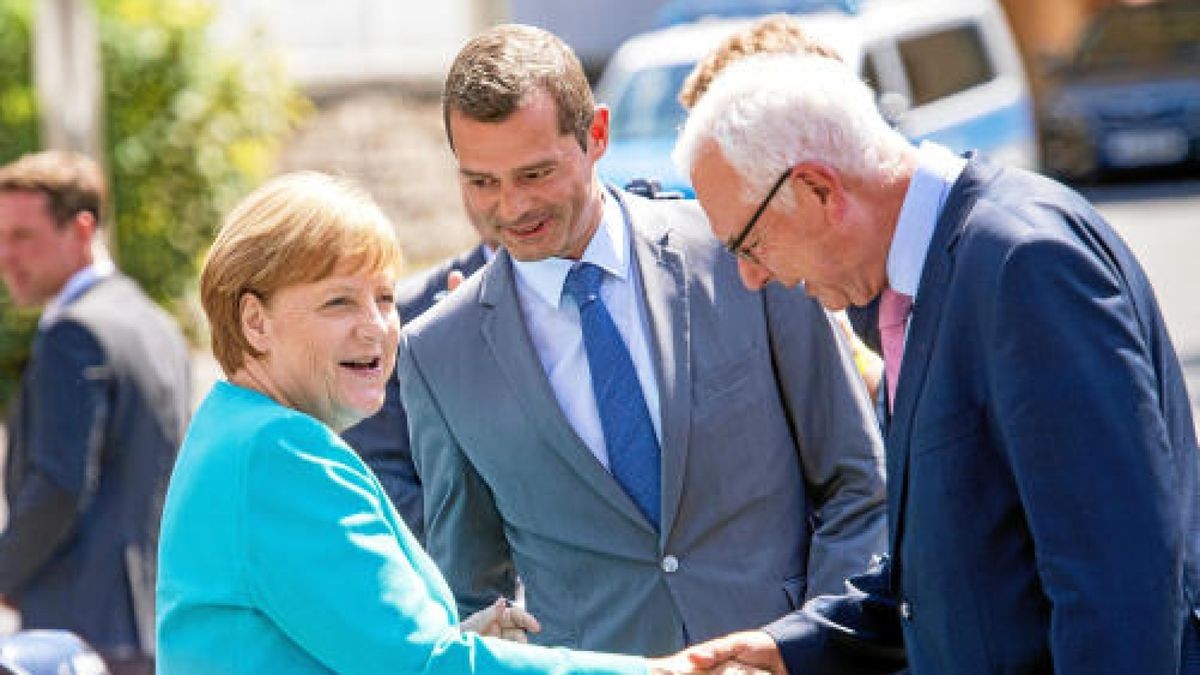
(503, 619)
(745, 653)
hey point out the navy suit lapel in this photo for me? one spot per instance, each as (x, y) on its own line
(504, 331)
(472, 261)
(665, 290)
(920, 343)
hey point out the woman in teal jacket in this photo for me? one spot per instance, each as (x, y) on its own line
(280, 552)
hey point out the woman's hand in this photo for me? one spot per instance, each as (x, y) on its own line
(502, 620)
(751, 652)
(868, 364)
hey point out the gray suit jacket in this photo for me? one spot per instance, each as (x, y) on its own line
(772, 464)
(92, 440)
(382, 439)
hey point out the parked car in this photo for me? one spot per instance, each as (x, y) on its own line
(945, 70)
(1128, 97)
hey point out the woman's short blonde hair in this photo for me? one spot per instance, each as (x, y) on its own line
(297, 228)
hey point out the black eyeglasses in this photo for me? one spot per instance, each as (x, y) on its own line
(734, 245)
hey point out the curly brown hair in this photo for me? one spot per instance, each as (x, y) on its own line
(773, 34)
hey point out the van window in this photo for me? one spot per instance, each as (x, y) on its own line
(945, 62)
(648, 106)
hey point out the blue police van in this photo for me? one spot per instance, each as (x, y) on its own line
(943, 70)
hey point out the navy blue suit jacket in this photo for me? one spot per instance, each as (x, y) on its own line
(1042, 461)
(382, 439)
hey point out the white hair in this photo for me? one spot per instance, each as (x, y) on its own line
(769, 112)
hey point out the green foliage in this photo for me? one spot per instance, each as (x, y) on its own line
(16, 331)
(18, 111)
(18, 135)
(189, 129)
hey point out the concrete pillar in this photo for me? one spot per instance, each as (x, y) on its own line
(67, 76)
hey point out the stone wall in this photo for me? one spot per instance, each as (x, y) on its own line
(391, 141)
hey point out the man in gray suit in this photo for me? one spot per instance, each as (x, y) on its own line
(93, 436)
(660, 454)
(382, 439)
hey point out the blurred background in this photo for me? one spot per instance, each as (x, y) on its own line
(192, 103)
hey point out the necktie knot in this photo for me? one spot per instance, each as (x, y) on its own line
(583, 283)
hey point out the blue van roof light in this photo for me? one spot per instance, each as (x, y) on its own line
(685, 11)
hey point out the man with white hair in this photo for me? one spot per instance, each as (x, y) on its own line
(1042, 461)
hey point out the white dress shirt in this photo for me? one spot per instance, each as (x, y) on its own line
(553, 323)
(936, 172)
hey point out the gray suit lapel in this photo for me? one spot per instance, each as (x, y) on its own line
(665, 291)
(504, 331)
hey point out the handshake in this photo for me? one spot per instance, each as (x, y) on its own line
(745, 653)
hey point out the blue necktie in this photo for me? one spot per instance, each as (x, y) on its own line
(633, 453)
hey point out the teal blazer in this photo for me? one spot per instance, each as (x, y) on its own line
(280, 552)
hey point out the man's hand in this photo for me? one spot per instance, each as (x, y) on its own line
(752, 649)
(679, 664)
(453, 280)
(503, 621)
(868, 364)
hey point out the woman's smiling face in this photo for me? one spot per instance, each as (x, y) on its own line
(328, 346)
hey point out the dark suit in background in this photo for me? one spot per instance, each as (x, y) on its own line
(382, 439)
(92, 440)
(1043, 495)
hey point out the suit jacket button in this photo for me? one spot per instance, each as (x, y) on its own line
(670, 564)
(905, 609)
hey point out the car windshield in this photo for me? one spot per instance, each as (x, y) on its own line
(647, 107)
(1149, 35)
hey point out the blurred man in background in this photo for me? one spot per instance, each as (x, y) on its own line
(100, 414)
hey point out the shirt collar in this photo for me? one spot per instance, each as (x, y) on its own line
(76, 286)
(609, 249)
(936, 171)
